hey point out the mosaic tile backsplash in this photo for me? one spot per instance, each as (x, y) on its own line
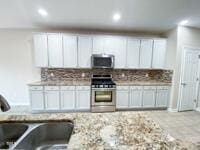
(52, 74)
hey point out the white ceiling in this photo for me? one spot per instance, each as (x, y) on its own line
(136, 15)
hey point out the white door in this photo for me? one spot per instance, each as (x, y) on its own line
(84, 51)
(68, 100)
(122, 98)
(52, 100)
(133, 53)
(162, 96)
(159, 52)
(149, 94)
(146, 53)
(40, 50)
(188, 87)
(98, 45)
(70, 51)
(135, 97)
(55, 50)
(37, 100)
(83, 97)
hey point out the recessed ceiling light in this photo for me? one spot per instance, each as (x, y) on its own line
(42, 12)
(183, 22)
(116, 17)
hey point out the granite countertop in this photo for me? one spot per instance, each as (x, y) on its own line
(118, 130)
(88, 83)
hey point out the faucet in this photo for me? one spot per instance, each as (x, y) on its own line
(4, 104)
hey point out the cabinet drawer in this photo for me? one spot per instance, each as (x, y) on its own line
(122, 87)
(83, 87)
(136, 87)
(36, 88)
(162, 87)
(149, 87)
(66, 88)
(51, 88)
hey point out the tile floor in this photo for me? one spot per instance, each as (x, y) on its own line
(181, 125)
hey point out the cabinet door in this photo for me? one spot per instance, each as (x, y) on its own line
(68, 100)
(136, 97)
(70, 51)
(133, 53)
(98, 45)
(55, 50)
(52, 100)
(37, 100)
(84, 51)
(149, 97)
(117, 47)
(122, 99)
(159, 51)
(162, 96)
(83, 99)
(40, 50)
(146, 53)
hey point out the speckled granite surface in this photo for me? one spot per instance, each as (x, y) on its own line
(118, 130)
(88, 83)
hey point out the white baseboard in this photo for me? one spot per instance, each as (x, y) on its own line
(172, 110)
(198, 109)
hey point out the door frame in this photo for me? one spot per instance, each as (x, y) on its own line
(181, 76)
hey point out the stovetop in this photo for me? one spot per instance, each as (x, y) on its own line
(102, 81)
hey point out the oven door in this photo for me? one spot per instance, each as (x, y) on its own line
(103, 96)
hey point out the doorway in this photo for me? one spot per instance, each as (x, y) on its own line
(189, 79)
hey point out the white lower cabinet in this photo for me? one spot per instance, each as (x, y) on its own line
(122, 97)
(149, 96)
(135, 96)
(83, 97)
(162, 96)
(67, 98)
(37, 100)
(52, 98)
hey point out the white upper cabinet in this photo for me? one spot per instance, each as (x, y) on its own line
(117, 47)
(146, 53)
(55, 50)
(84, 51)
(159, 52)
(98, 45)
(40, 50)
(70, 50)
(133, 53)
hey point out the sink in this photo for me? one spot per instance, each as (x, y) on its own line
(10, 133)
(36, 136)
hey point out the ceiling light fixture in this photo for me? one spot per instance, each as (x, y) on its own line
(116, 17)
(42, 12)
(183, 22)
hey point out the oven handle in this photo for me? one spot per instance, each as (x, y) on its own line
(105, 89)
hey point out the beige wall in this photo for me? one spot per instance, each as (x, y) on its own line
(186, 36)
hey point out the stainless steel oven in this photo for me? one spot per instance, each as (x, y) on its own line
(103, 95)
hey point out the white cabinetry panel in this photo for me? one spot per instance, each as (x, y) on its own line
(55, 50)
(40, 50)
(83, 98)
(98, 45)
(37, 100)
(70, 51)
(146, 53)
(135, 97)
(52, 100)
(68, 98)
(122, 97)
(84, 51)
(159, 52)
(133, 53)
(149, 95)
(162, 96)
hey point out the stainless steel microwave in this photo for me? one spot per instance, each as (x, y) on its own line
(102, 61)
